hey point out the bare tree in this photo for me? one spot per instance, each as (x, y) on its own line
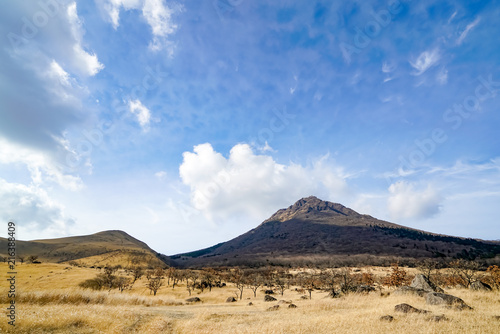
(237, 277)
(330, 281)
(466, 270)
(191, 279)
(253, 281)
(137, 273)
(122, 283)
(32, 258)
(281, 278)
(154, 284)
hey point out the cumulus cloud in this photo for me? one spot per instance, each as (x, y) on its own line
(141, 112)
(424, 61)
(246, 183)
(467, 29)
(156, 13)
(406, 202)
(40, 165)
(48, 64)
(32, 208)
(85, 63)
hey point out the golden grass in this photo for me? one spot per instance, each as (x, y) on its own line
(52, 305)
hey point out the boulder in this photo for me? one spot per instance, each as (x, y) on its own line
(269, 292)
(304, 297)
(387, 318)
(250, 304)
(480, 286)
(406, 308)
(284, 302)
(420, 282)
(269, 298)
(436, 298)
(274, 308)
(292, 306)
(408, 290)
(193, 300)
(230, 300)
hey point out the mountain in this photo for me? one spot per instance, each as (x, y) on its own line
(107, 247)
(313, 231)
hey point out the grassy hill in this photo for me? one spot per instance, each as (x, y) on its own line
(103, 248)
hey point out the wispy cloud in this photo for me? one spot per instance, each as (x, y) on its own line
(425, 60)
(469, 27)
(442, 76)
(141, 112)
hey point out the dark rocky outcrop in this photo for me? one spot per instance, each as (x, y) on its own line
(406, 308)
(269, 298)
(480, 286)
(193, 300)
(436, 298)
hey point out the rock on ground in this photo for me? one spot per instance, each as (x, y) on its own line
(436, 298)
(421, 282)
(269, 298)
(406, 308)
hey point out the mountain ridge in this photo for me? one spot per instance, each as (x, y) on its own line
(315, 229)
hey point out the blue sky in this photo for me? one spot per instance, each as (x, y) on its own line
(188, 123)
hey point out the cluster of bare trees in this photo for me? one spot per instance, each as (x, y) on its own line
(335, 281)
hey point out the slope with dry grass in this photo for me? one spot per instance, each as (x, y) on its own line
(49, 301)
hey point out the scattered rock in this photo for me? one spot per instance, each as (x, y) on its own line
(193, 300)
(269, 298)
(406, 308)
(365, 289)
(437, 318)
(436, 298)
(274, 308)
(420, 282)
(284, 302)
(269, 292)
(407, 290)
(230, 300)
(292, 306)
(480, 286)
(387, 318)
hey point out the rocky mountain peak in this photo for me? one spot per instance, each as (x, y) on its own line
(309, 206)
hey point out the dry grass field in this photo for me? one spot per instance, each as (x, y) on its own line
(49, 301)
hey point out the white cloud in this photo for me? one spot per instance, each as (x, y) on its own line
(157, 14)
(249, 184)
(40, 165)
(32, 209)
(161, 175)
(425, 60)
(85, 63)
(442, 76)
(406, 202)
(388, 67)
(142, 113)
(469, 27)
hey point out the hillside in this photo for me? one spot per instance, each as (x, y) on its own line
(107, 247)
(316, 231)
